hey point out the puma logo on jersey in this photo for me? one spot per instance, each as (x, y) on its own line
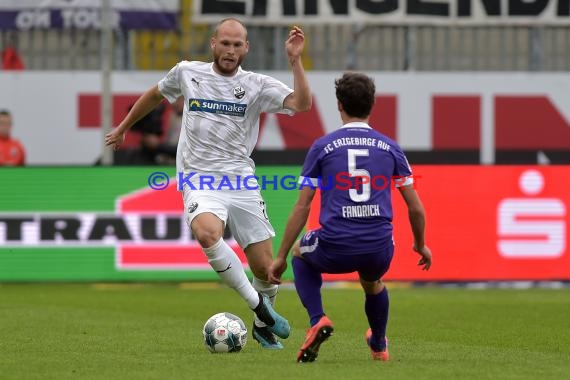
(195, 81)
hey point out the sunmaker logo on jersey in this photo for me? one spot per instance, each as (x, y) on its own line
(213, 106)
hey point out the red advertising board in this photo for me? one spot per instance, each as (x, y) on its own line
(172, 255)
(485, 223)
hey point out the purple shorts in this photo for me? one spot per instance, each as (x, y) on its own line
(370, 266)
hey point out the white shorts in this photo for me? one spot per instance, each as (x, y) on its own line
(243, 211)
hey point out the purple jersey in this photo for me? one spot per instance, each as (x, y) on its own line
(354, 168)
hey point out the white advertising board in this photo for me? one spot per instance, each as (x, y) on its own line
(422, 111)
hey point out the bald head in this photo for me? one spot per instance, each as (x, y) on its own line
(232, 25)
(229, 46)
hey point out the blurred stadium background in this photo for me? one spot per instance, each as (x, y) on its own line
(465, 87)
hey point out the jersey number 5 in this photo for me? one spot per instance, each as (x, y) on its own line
(355, 196)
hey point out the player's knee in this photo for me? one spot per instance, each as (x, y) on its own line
(296, 252)
(259, 271)
(207, 229)
(259, 257)
(372, 287)
(206, 237)
(378, 287)
(259, 267)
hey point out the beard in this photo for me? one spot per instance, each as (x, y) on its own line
(226, 67)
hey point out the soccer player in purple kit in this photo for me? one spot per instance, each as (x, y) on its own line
(356, 220)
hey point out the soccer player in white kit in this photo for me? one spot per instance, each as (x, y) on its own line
(219, 130)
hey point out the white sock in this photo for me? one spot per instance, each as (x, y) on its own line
(225, 262)
(267, 288)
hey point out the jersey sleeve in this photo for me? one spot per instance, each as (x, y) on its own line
(273, 94)
(311, 171)
(402, 171)
(169, 86)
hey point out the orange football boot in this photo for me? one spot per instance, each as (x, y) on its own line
(316, 335)
(377, 355)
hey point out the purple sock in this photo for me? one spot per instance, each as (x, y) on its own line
(376, 308)
(308, 283)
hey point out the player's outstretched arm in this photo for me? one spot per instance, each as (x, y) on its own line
(300, 99)
(295, 223)
(417, 218)
(146, 103)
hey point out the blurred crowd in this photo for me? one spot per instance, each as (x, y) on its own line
(153, 139)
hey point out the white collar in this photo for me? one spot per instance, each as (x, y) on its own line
(356, 124)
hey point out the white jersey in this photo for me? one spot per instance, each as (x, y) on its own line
(220, 125)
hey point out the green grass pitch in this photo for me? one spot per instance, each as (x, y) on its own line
(153, 331)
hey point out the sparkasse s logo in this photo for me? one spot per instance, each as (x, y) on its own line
(147, 230)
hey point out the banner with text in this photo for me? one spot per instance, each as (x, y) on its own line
(86, 14)
(485, 223)
(107, 224)
(421, 111)
(444, 12)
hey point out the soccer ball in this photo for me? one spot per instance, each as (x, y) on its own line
(224, 332)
